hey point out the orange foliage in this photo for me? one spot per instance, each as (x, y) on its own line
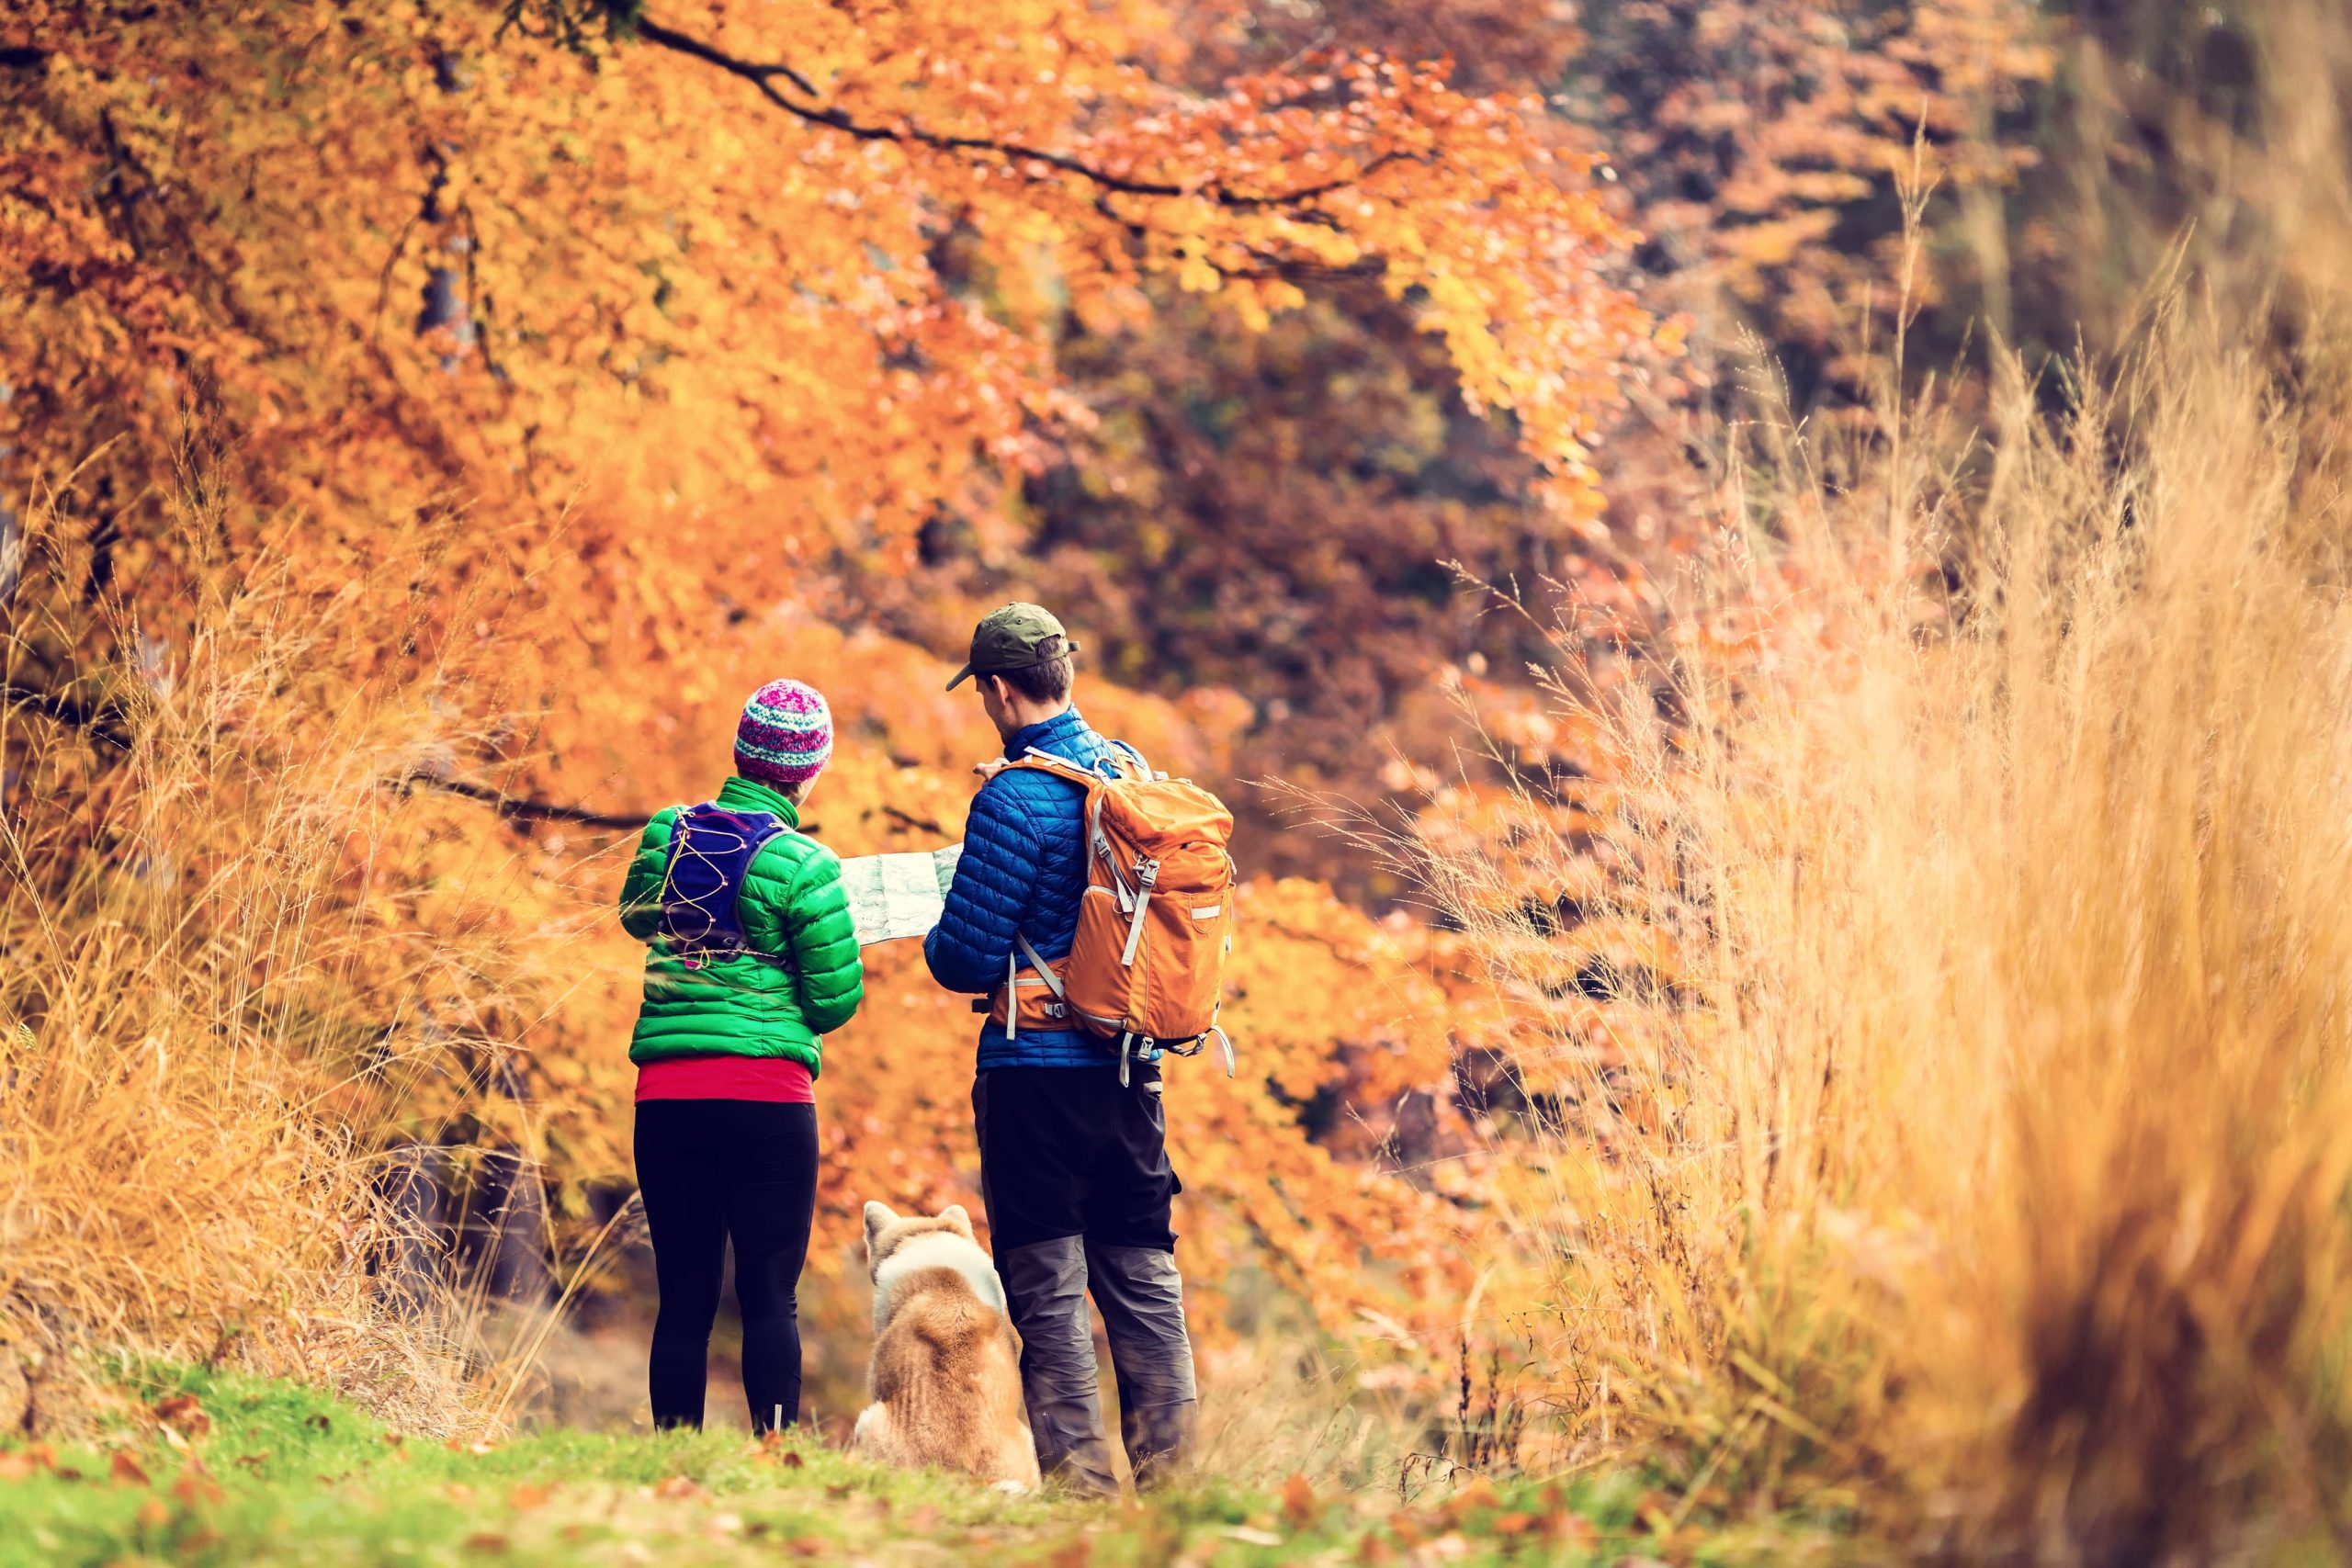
(561, 351)
(679, 354)
(1761, 142)
(647, 294)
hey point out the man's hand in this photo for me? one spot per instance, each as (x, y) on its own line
(990, 768)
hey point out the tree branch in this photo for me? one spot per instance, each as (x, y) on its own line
(104, 721)
(656, 33)
(911, 822)
(762, 78)
(522, 809)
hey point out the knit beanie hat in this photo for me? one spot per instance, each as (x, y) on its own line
(785, 736)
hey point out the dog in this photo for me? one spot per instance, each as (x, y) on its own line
(945, 1380)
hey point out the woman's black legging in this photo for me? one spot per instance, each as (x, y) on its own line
(711, 1170)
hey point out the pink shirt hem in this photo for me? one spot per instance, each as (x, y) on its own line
(777, 1080)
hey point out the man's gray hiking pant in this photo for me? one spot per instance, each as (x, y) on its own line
(1075, 1175)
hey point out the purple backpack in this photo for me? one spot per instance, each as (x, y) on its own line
(710, 853)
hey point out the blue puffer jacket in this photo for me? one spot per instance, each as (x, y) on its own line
(1023, 869)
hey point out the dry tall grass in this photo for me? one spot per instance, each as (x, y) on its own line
(214, 1014)
(2002, 1145)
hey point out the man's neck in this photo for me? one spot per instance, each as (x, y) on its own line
(1029, 717)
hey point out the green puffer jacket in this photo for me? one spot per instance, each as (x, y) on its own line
(791, 905)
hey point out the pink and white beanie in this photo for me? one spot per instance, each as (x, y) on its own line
(785, 736)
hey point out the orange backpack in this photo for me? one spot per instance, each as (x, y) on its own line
(1154, 925)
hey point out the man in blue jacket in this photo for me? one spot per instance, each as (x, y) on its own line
(1074, 1164)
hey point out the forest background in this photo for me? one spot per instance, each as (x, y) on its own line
(421, 424)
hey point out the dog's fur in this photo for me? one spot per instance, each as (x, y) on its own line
(947, 1374)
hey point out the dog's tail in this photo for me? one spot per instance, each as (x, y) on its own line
(946, 1313)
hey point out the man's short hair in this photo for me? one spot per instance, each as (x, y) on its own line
(1048, 680)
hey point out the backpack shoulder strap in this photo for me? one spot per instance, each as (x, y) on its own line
(1034, 760)
(1125, 762)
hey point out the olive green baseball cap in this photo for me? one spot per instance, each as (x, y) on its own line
(1018, 636)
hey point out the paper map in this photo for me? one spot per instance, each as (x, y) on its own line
(898, 896)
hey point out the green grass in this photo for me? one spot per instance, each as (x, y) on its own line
(274, 1473)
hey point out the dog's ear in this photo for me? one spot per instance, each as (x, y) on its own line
(958, 1221)
(877, 1216)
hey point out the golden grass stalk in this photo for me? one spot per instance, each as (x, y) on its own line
(1985, 1151)
(209, 1007)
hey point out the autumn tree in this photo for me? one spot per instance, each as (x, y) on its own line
(529, 361)
(1236, 534)
(1765, 143)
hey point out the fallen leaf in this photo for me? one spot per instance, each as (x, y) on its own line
(254, 1461)
(184, 1414)
(1298, 1502)
(1683, 1545)
(153, 1514)
(196, 1489)
(1572, 1530)
(122, 1467)
(810, 1546)
(682, 1489)
(458, 1492)
(525, 1497)
(489, 1543)
(1478, 1494)
(770, 1450)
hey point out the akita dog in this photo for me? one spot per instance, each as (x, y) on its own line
(947, 1374)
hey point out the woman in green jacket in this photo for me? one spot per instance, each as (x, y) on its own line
(753, 962)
